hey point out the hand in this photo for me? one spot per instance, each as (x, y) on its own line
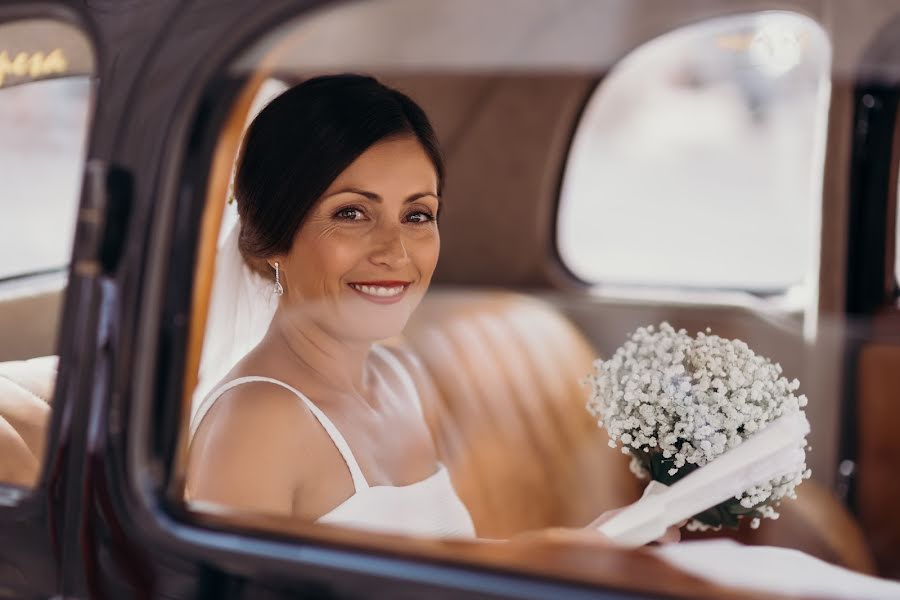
(563, 536)
(671, 536)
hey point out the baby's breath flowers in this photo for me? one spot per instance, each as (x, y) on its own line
(675, 402)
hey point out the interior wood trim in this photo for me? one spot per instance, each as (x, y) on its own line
(210, 224)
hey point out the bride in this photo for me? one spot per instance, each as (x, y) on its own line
(338, 190)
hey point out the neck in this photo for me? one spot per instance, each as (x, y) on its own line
(338, 363)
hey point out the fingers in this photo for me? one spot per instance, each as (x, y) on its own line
(671, 536)
(564, 536)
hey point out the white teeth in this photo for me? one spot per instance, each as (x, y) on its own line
(377, 290)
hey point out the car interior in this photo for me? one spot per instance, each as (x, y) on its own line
(724, 203)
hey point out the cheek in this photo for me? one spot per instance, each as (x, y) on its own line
(427, 251)
(324, 258)
(340, 256)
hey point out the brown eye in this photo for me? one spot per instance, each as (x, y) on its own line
(420, 217)
(350, 213)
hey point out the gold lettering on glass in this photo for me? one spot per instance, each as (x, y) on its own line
(32, 65)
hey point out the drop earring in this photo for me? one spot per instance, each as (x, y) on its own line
(279, 289)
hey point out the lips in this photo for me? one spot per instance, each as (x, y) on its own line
(381, 292)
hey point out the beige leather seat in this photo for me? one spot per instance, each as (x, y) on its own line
(499, 375)
(26, 389)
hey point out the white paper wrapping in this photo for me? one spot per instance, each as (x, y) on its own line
(769, 454)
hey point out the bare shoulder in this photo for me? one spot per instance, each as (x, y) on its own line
(253, 406)
(247, 451)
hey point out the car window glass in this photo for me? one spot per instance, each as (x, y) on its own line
(42, 153)
(696, 163)
(716, 130)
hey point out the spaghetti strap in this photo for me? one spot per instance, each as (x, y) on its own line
(359, 480)
(405, 378)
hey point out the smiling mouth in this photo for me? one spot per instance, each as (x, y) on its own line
(380, 291)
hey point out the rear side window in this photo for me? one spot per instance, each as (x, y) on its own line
(44, 126)
(697, 162)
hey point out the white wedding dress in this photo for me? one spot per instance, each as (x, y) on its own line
(241, 309)
(426, 508)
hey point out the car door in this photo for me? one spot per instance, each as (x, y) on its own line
(47, 97)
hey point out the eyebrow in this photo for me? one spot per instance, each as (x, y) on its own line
(376, 198)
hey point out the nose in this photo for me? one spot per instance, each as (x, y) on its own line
(389, 248)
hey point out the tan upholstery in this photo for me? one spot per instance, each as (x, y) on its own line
(505, 137)
(499, 375)
(26, 389)
(500, 372)
(23, 332)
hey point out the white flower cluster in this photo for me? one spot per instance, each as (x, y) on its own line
(667, 395)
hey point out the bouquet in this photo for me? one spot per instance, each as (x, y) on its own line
(675, 403)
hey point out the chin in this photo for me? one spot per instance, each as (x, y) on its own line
(368, 322)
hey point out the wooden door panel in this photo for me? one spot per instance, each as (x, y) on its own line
(878, 484)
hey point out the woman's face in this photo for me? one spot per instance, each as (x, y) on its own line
(365, 254)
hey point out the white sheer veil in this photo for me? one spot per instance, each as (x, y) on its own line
(241, 308)
(242, 302)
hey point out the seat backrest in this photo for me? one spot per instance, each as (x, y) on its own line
(26, 389)
(504, 401)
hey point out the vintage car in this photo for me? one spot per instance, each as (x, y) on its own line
(611, 163)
